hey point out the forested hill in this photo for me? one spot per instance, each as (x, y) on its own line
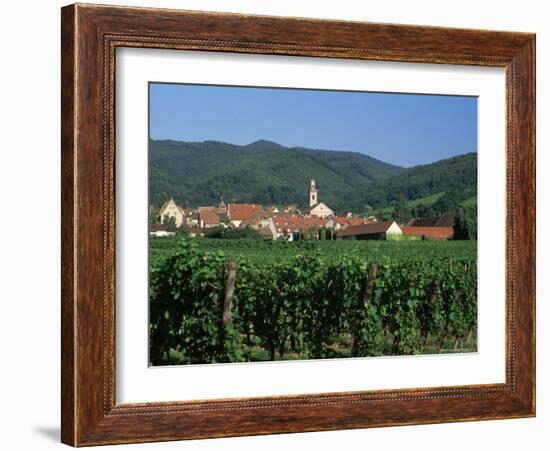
(202, 173)
(455, 177)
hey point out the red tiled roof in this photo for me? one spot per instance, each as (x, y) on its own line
(313, 222)
(295, 223)
(366, 229)
(423, 222)
(243, 212)
(209, 217)
(217, 210)
(445, 220)
(341, 220)
(345, 221)
(429, 232)
(357, 221)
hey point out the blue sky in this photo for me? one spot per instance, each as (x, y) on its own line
(402, 129)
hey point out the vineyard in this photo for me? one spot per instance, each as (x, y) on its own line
(248, 300)
(267, 252)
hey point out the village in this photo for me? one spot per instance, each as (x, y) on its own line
(290, 223)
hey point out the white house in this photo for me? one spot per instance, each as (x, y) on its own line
(171, 210)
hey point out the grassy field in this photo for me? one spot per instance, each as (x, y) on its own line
(469, 202)
(267, 252)
(428, 200)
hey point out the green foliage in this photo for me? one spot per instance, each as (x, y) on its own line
(303, 303)
(418, 206)
(422, 211)
(231, 233)
(401, 212)
(465, 226)
(153, 215)
(186, 305)
(266, 253)
(182, 231)
(453, 199)
(169, 222)
(457, 175)
(200, 173)
(262, 172)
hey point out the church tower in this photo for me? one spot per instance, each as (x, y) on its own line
(313, 199)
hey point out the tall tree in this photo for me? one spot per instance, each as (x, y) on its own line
(422, 211)
(465, 226)
(401, 211)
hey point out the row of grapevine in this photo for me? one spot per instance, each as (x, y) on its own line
(300, 305)
(262, 252)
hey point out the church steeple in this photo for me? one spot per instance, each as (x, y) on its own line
(313, 199)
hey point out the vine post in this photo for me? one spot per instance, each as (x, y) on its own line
(231, 274)
(366, 298)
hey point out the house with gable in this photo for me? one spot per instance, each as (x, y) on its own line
(372, 231)
(208, 218)
(237, 213)
(171, 210)
(431, 228)
(343, 222)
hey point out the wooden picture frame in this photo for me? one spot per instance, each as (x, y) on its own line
(90, 36)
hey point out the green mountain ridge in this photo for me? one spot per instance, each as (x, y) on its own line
(202, 173)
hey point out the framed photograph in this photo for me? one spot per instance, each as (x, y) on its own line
(279, 225)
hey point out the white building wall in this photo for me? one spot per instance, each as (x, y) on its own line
(161, 233)
(170, 209)
(321, 211)
(394, 229)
